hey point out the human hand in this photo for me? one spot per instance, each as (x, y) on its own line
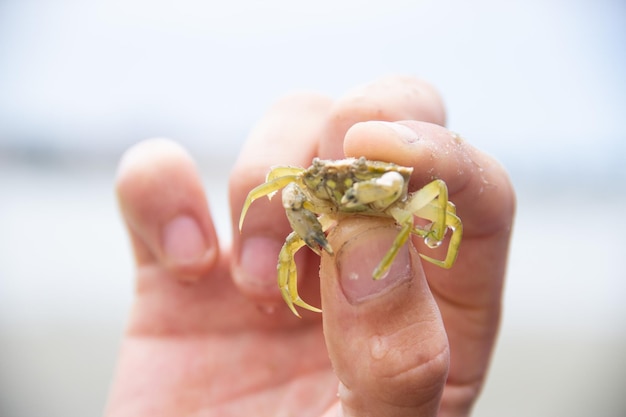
(209, 334)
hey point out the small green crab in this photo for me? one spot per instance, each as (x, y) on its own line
(316, 197)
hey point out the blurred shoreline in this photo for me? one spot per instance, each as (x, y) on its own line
(61, 320)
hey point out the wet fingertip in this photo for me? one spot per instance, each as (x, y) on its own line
(403, 132)
(395, 131)
(433, 150)
(379, 140)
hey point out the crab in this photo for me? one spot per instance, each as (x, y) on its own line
(317, 197)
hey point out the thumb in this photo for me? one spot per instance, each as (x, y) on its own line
(385, 338)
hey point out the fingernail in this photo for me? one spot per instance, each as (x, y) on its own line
(257, 263)
(358, 258)
(402, 131)
(183, 242)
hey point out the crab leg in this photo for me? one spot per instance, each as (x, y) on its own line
(391, 254)
(287, 271)
(288, 274)
(454, 223)
(265, 189)
(431, 203)
(434, 191)
(282, 171)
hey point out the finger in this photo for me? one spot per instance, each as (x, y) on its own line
(469, 294)
(287, 135)
(390, 98)
(481, 188)
(385, 338)
(165, 209)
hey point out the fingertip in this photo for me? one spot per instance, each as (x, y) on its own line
(163, 204)
(409, 141)
(477, 183)
(139, 165)
(432, 150)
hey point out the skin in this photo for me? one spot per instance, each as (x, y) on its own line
(209, 335)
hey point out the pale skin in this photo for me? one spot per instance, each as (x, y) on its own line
(209, 334)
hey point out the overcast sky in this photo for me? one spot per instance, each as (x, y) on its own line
(543, 80)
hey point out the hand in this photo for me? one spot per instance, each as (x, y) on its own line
(209, 334)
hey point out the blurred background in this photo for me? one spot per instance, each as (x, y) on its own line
(539, 84)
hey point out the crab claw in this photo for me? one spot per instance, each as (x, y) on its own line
(316, 241)
(303, 221)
